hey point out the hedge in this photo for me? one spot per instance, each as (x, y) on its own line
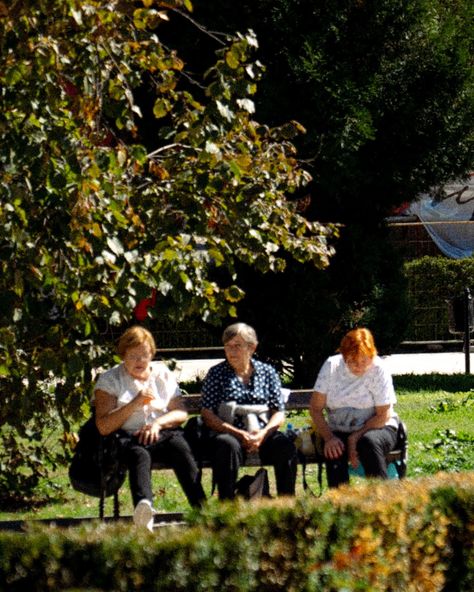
(413, 535)
(432, 283)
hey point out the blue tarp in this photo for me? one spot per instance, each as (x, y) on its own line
(448, 216)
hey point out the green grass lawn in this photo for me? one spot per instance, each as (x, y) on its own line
(437, 409)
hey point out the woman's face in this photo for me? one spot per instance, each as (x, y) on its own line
(137, 361)
(238, 352)
(359, 363)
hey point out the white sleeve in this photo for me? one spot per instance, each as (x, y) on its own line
(167, 384)
(323, 381)
(382, 387)
(107, 382)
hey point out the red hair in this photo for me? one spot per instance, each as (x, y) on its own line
(358, 341)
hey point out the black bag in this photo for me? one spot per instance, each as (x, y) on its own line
(197, 435)
(253, 487)
(96, 467)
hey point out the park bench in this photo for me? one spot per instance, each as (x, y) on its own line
(298, 400)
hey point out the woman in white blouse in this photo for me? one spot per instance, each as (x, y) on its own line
(352, 409)
(142, 400)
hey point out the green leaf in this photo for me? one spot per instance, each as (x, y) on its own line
(232, 59)
(161, 108)
(235, 168)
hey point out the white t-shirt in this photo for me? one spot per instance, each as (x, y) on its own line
(118, 382)
(351, 399)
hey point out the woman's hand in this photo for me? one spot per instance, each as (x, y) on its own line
(352, 455)
(256, 439)
(245, 438)
(333, 448)
(143, 397)
(148, 434)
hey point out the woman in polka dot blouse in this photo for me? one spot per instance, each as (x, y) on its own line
(352, 409)
(241, 380)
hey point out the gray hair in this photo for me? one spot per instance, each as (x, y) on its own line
(247, 333)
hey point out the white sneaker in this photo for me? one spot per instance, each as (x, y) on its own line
(143, 515)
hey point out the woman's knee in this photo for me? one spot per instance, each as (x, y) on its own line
(368, 444)
(138, 456)
(279, 447)
(226, 442)
(178, 447)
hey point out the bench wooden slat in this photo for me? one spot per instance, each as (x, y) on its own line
(297, 400)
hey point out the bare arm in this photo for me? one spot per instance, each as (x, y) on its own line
(333, 446)
(377, 421)
(175, 416)
(109, 417)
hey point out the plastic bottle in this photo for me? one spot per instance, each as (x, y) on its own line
(290, 431)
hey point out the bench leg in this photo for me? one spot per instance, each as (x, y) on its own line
(116, 505)
(101, 506)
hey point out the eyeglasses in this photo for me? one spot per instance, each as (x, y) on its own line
(235, 346)
(137, 358)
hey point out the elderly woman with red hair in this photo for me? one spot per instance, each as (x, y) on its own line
(352, 409)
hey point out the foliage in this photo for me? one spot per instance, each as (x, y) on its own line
(440, 277)
(93, 218)
(376, 537)
(385, 91)
(448, 405)
(440, 280)
(447, 452)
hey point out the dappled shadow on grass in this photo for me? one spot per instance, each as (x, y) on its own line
(451, 383)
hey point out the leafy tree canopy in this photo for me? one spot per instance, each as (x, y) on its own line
(385, 91)
(93, 217)
(384, 88)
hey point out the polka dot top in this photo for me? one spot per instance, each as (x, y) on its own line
(222, 385)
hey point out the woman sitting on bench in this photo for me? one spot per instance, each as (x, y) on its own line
(352, 409)
(243, 382)
(141, 398)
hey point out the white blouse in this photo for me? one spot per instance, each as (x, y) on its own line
(118, 383)
(351, 399)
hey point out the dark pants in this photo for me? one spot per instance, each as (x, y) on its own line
(227, 457)
(171, 448)
(371, 448)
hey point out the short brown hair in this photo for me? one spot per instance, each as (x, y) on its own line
(133, 337)
(358, 341)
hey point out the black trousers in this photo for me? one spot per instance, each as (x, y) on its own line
(371, 448)
(171, 448)
(227, 456)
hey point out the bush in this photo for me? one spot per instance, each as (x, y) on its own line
(432, 283)
(412, 535)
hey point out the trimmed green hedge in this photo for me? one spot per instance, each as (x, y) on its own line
(410, 535)
(432, 282)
